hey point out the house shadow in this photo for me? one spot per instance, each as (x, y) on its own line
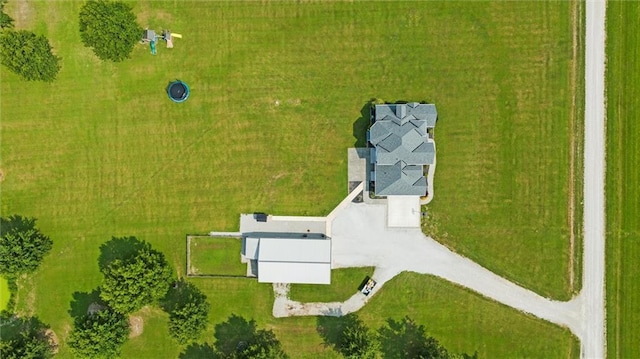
(121, 248)
(361, 125)
(81, 302)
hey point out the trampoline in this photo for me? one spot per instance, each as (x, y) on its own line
(178, 91)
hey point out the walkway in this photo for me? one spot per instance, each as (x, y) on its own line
(360, 237)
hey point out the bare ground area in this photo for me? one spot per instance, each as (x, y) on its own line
(136, 323)
(53, 339)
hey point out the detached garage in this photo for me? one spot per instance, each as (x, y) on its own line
(290, 260)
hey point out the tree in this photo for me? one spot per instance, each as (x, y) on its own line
(349, 336)
(99, 335)
(6, 22)
(109, 28)
(238, 338)
(406, 339)
(22, 246)
(357, 340)
(133, 282)
(25, 339)
(188, 311)
(29, 55)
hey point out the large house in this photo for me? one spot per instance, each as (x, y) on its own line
(401, 148)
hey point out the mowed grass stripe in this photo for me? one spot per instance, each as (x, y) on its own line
(503, 167)
(623, 180)
(105, 153)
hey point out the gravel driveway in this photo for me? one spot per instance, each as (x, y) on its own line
(361, 237)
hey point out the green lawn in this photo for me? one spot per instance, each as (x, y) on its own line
(5, 294)
(502, 186)
(216, 256)
(344, 284)
(275, 92)
(464, 321)
(623, 180)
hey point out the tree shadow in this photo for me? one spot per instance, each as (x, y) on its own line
(330, 329)
(16, 223)
(361, 125)
(81, 302)
(198, 351)
(119, 248)
(181, 293)
(233, 334)
(13, 326)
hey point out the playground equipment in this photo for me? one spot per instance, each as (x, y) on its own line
(151, 37)
(178, 91)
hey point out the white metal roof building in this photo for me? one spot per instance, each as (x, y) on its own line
(290, 260)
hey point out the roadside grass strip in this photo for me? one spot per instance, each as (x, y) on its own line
(623, 180)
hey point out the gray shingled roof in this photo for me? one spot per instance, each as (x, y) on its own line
(402, 147)
(400, 179)
(409, 111)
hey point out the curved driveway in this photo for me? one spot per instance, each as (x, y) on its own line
(360, 237)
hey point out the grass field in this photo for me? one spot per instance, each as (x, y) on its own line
(4, 293)
(216, 256)
(503, 184)
(275, 92)
(623, 180)
(344, 284)
(455, 314)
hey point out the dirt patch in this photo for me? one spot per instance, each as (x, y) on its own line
(95, 308)
(53, 339)
(22, 13)
(136, 324)
(1, 175)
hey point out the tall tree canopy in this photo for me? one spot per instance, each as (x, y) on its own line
(406, 339)
(349, 336)
(22, 246)
(188, 312)
(99, 335)
(238, 338)
(25, 338)
(109, 28)
(6, 22)
(357, 341)
(28, 55)
(139, 279)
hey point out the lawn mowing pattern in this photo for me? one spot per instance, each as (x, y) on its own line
(464, 321)
(216, 256)
(502, 181)
(344, 284)
(106, 153)
(623, 180)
